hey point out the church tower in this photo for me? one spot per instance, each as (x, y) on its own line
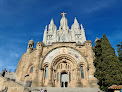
(64, 34)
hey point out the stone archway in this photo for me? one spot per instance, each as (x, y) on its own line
(62, 67)
(63, 59)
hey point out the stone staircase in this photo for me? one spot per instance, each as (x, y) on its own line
(56, 89)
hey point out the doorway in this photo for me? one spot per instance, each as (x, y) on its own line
(64, 79)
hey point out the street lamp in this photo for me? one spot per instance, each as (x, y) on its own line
(25, 81)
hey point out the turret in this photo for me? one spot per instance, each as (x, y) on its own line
(39, 45)
(30, 46)
(83, 33)
(45, 35)
(88, 43)
(52, 27)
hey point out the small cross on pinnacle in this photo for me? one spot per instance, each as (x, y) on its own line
(63, 14)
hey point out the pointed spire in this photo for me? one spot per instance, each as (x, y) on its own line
(46, 27)
(81, 26)
(52, 22)
(75, 20)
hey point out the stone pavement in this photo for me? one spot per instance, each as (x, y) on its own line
(56, 89)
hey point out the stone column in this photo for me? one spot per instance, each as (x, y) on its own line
(41, 78)
(68, 78)
(50, 77)
(59, 78)
(78, 81)
(54, 77)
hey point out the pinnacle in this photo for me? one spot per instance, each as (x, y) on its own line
(52, 22)
(75, 20)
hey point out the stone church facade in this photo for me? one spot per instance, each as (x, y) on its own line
(63, 59)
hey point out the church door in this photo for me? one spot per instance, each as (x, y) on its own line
(64, 79)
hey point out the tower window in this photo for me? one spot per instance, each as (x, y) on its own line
(31, 70)
(46, 72)
(82, 73)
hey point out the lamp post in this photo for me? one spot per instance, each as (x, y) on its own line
(25, 81)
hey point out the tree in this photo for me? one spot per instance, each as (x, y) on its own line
(108, 68)
(119, 50)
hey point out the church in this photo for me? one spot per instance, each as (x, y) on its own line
(63, 59)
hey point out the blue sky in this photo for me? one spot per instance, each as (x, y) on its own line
(21, 20)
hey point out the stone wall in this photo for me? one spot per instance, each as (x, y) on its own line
(1, 82)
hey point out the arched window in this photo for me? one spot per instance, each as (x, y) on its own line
(46, 72)
(66, 66)
(61, 66)
(82, 73)
(69, 76)
(58, 76)
(31, 70)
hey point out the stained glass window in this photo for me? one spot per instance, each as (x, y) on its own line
(58, 76)
(46, 72)
(82, 73)
(70, 76)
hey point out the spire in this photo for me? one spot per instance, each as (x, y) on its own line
(75, 20)
(82, 27)
(83, 33)
(45, 35)
(75, 25)
(52, 22)
(46, 27)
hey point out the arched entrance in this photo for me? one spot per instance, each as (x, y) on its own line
(64, 79)
(63, 67)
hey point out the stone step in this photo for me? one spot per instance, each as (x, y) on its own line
(56, 89)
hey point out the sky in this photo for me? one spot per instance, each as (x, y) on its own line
(22, 20)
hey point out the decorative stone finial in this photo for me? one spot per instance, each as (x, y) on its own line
(75, 20)
(51, 22)
(63, 14)
(81, 26)
(46, 27)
